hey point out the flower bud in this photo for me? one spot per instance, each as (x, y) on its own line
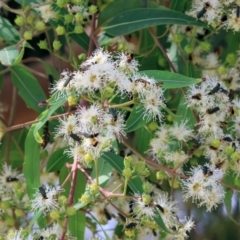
(56, 45)
(71, 100)
(205, 46)
(160, 175)
(229, 150)
(235, 156)
(85, 199)
(19, 20)
(147, 187)
(92, 9)
(55, 215)
(222, 70)
(216, 143)
(30, 20)
(127, 161)
(93, 188)
(43, 44)
(61, 3)
(127, 173)
(68, 18)
(82, 57)
(146, 198)
(108, 92)
(5, 205)
(188, 49)
(19, 213)
(231, 59)
(70, 211)
(177, 38)
(60, 30)
(79, 17)
(130, 233)
(78, 29)
(62, 200)
(27, 35)
(88, 158)
(174, 184)
(40, 26)
(152, 126)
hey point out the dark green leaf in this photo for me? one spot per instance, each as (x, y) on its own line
(31, 166)
(185, 113)
(116, 7)
(169, 79)
(28, 87)
(57, 160)
(16, 148)
(158, 219)
(136, 119)
(8, 32)
(117, 163)
(136, 19)
(145, 135)
(178, 5)
(8, 55)
(57, 102)
(228, 200)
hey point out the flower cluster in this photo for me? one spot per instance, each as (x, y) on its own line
(97, 125)
(215, 12)
(218, 130)
(203, 186)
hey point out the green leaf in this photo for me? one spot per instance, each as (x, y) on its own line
(169, 79)
(31, 166)
(136, 19)
(116, 7)
(158, 219)
(104, 172)
(16, 147)
(18, 59)
(185, 113)
(117, 163)
(28, 87)
(8, 55)
(136, 119)
(145, 135)
(57, 160)
(57, 102)
(228, 201)
(178, 5)
(8, 32)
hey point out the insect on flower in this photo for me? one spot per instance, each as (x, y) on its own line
(42, 190)
(12, 179)
(213, 110)
(75, 137)
(238, 11)
(203, 10)
(206, 171)
(129, 57)
(130, 226)
(67, 76)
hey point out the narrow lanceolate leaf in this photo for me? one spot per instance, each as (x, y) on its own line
(136, 119)
(8, 32)
(28, 87)
(31, 166)
(56, 103)
(136, 19)
(117, 163)
(8, 55)
(158, 219)
(57, 160)
(170, 80)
